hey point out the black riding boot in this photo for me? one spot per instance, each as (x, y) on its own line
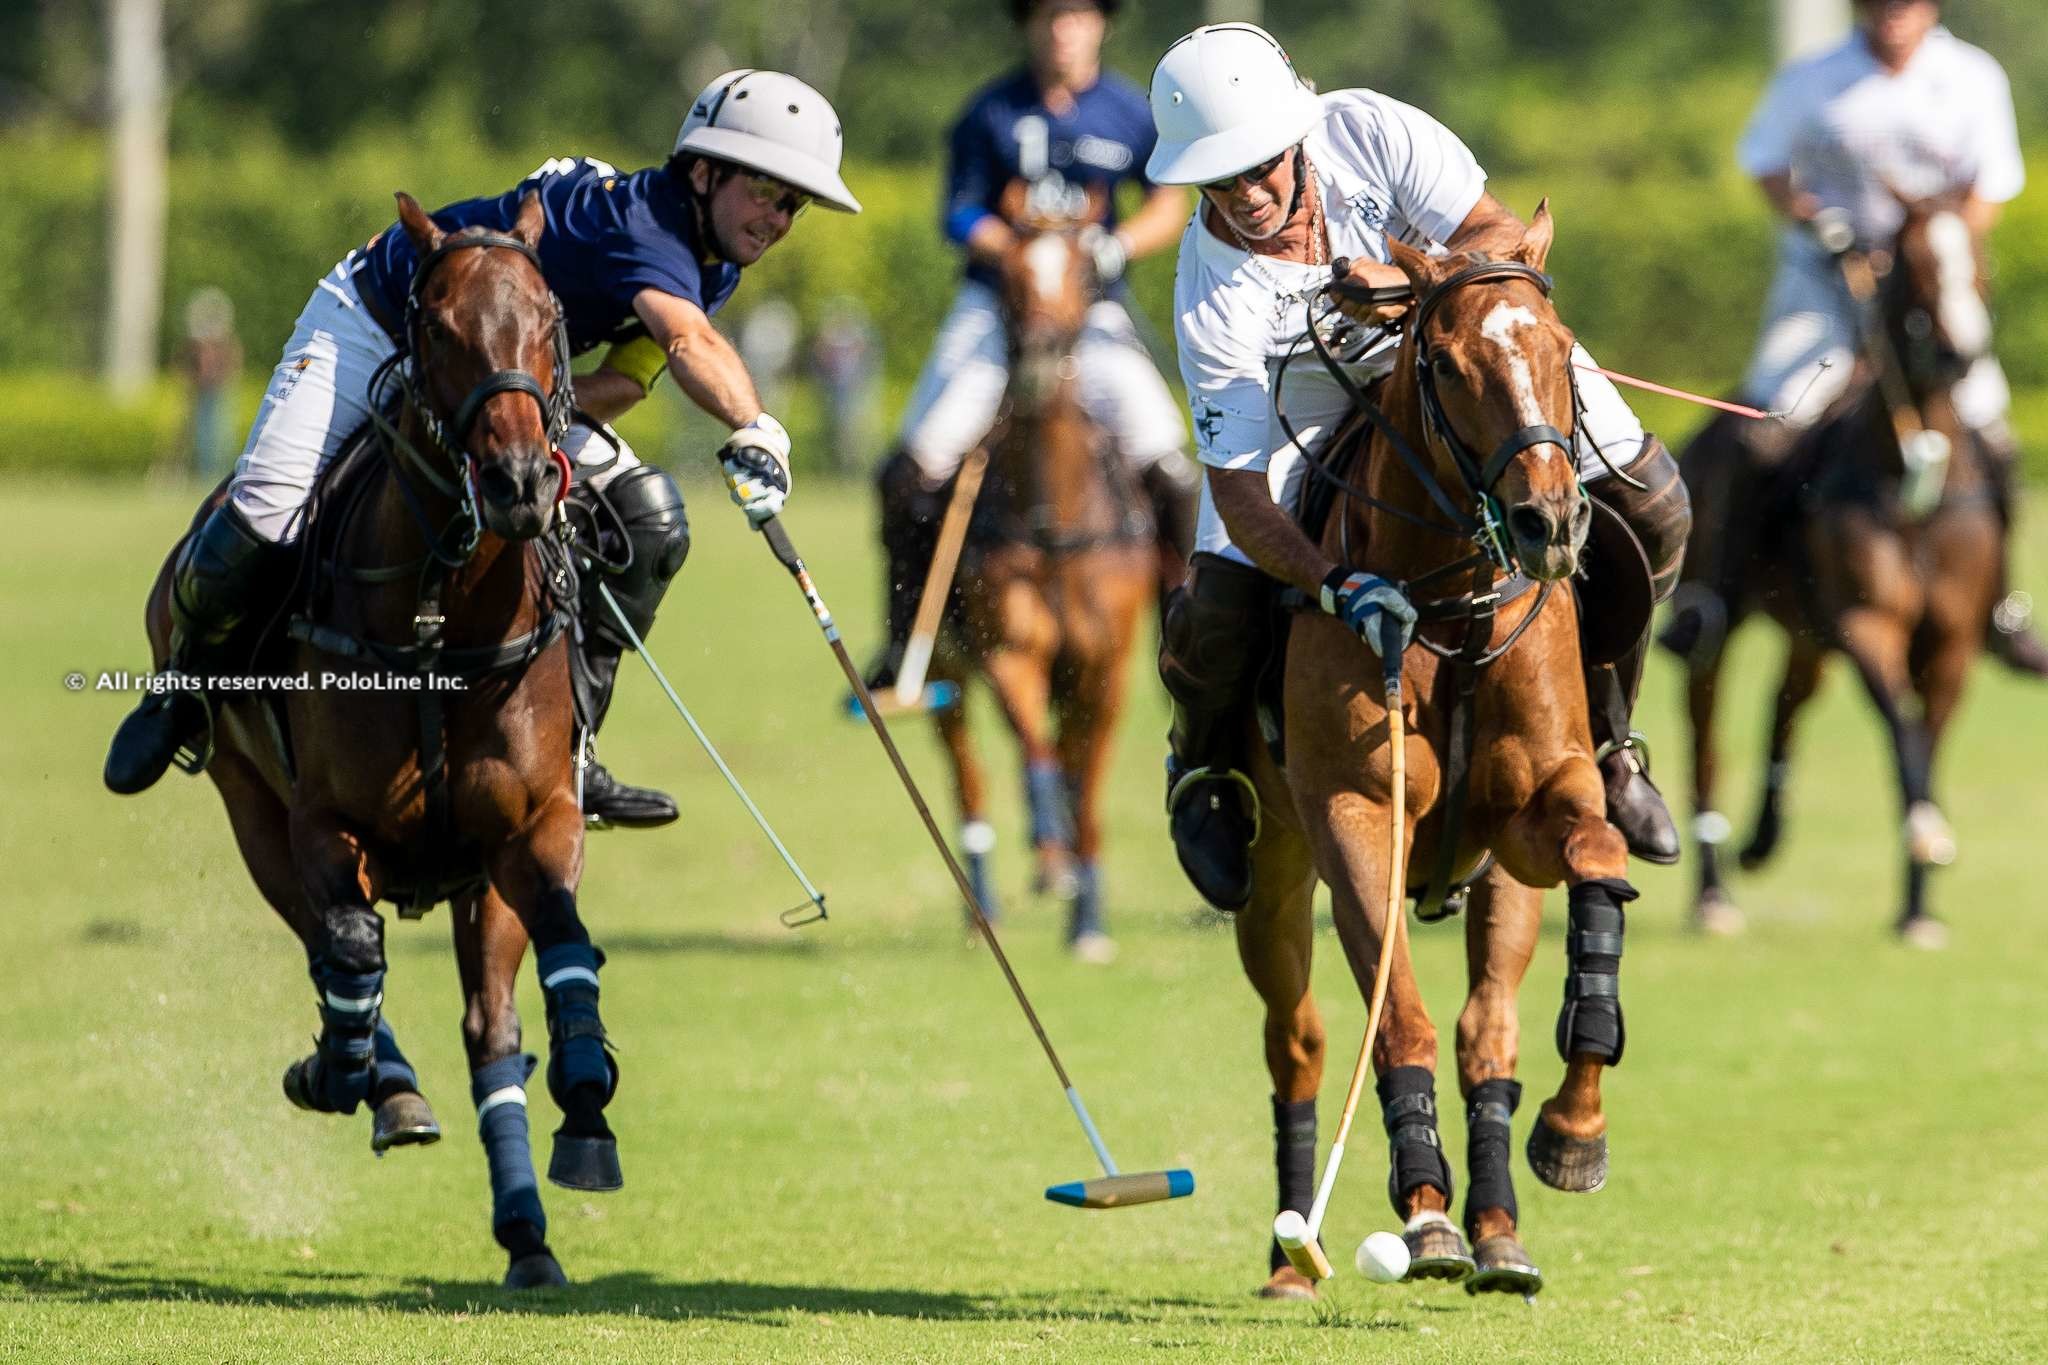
(219, 580)
(1173, 487)
(911, 513)
(1211, 648)
(1660, 515)
(2011, 639)
(651, 538)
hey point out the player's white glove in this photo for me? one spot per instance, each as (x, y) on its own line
(756, 463)
(1108, 252)
(1834, 230)
(1357, 599)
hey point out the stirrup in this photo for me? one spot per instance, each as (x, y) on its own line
(193, 755)
(1636, 742)
(1207, 773)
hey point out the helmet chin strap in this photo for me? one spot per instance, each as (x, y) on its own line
(1300, 183)
(700, 206)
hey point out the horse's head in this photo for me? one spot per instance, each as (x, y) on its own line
(1494, 368)
(1048, 285)
(490, 365)
(1935, 302)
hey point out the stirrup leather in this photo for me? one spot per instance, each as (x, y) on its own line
(1189, 778)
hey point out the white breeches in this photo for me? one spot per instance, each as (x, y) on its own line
(1317, 405)
(964, 378)
(318, 396)
(1807, 352)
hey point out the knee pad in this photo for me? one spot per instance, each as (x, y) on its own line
(1489, 1114)
(1408, 1109)
(649, 508)
(1660, 513)
(1212, 639)
(1591, 1021)
(218, 577)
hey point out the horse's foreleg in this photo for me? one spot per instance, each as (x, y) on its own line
(1275, 944)
(1802, 675)
(1501, 928)
(1087, 735)
(489, 943)
(1563, 835)
(1022, 683)
(970, 786)
(345, 954)
(1713, 911)
(1877, 642)
(536, 871)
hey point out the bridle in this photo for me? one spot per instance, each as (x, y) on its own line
(454, 474)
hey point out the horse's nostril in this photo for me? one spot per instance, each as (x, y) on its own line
(497, 484)
(1530, 525)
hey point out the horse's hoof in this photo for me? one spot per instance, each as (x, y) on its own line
(1288, 1283)
(1924, 932)
(1436, 1249)
(1719, 917)
(1574, 1165)
(1504, 1268)
(1929, 841)
(586, 1163)
(1757, 851)
(403, 1120)
(1093, 947)
(537, 1270)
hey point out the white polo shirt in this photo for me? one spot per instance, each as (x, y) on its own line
(1383, 166)
(1846, 128)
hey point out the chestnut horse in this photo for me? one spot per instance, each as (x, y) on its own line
(1882, 540)
(1472, 429)
(441, 567)
(1057, 572)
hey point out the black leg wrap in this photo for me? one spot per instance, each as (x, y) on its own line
(499, 1092)
(656, 541)
(1294, 1158)
(1591, 1019)
(577, 1057)
(1408, 1109)
(346, 1051)
(1488, 1116)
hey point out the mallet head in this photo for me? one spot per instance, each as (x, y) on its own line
(1120, 1191)
(1304, 1252)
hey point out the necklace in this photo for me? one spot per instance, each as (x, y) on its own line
(1318, 249)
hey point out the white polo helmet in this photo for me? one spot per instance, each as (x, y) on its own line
(1224, 99)
(775, 124)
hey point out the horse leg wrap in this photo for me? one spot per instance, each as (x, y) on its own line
(576, 1037)
(1294, 1160)
(1045, 789)
(499, 1089)
(390, 1071)
(1085, 911)
(1489, 1113)
(1408, 1109)
(346, 1050)
(1591, 1019)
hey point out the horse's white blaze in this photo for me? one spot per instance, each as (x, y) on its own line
(1964, 318)
(1046, 258)
(1499, 328)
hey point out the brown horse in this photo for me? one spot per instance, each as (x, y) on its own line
(452, 779)
(1055, 578)
(1475, 421)
(1881, 539)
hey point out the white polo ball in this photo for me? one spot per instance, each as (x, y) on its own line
(1383, 1257)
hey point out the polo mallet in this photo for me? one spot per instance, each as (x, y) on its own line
(1301, 1238)
(938, 580)
(796, 916)
(1115, 1189)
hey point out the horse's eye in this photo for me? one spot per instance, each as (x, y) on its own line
(1442, 366)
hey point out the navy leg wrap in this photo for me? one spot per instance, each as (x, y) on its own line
(1591, 1019)
(391, 1072)
(499, 1090)
(1294, 1160)
(1408, 1109)
(1488, 1118)
(1086, 911)
(1045, 789)
(348, 1023)
(576, 1053)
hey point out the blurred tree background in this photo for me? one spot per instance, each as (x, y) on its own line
(291, 122)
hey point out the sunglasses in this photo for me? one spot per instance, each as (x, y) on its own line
(1252, 176)
(765, 190)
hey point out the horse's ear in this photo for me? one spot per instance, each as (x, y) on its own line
(1536, 239)
(528, 225)
(1010, 204)
(425, 236)
(1418, 266)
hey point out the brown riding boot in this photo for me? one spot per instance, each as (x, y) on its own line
(1211, 648)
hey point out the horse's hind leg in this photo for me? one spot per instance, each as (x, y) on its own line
(1087, 733)
(489, 943)
(536, 873)
(1713, 911)
(1022, 683)
(1877, 644)
(1802, 675)
(1500, 937)
(970, 786)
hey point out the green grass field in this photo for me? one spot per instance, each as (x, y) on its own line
(1826, 1147)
